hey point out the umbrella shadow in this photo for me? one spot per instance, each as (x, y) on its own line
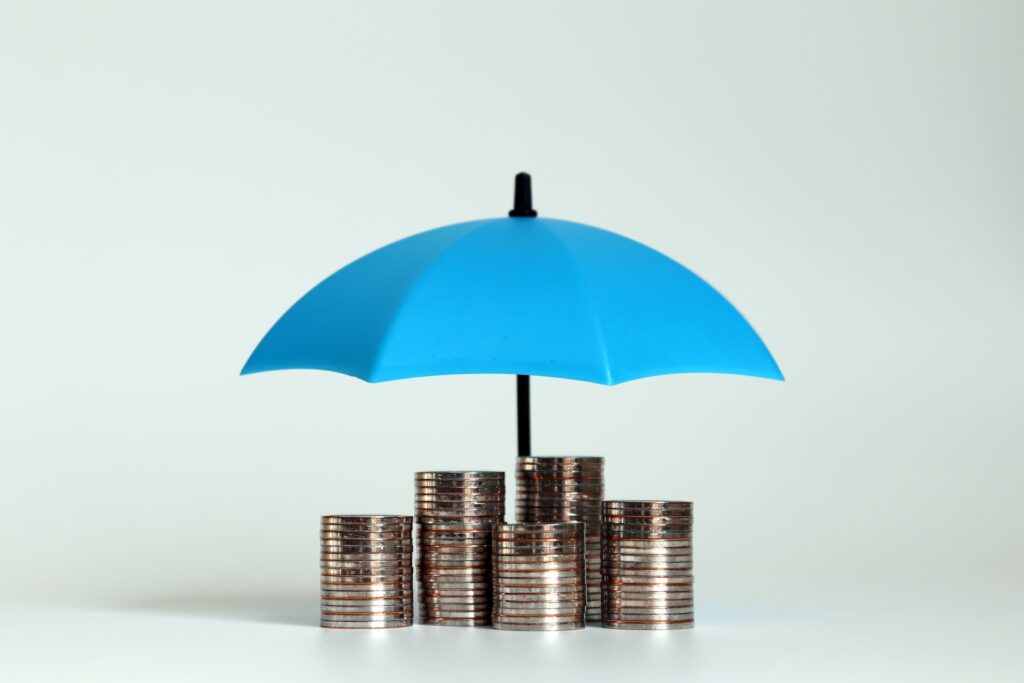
(291, 610)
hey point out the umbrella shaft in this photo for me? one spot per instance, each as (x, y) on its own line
(523, 413)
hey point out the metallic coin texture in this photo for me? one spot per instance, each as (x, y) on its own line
(647, 564)
(566, 489)
(539, 577)
(366, 571)
(455, 515)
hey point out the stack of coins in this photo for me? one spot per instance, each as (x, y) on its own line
(566, 489)
(647, 560)
(366, 571)
(456, 512)
(539, 577)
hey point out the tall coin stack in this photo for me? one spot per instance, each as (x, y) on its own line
(648, 564)
(539, 579)
(366, 571)
(566, 489)
(456, 512)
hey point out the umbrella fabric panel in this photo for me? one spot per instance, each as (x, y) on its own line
(340, 323)
(658, 316)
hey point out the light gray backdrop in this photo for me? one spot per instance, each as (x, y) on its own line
(174, 175)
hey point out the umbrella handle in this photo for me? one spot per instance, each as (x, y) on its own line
(523, 413)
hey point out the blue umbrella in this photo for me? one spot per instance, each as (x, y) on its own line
(520, 295)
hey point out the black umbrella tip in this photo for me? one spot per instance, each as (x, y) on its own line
(522, 207)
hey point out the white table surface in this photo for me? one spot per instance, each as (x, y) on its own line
(260, 639)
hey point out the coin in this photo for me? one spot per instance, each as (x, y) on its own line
(648, 506)
(538, 576)
(366, 571)
(647, 564)
(455, 512)
(384, 623)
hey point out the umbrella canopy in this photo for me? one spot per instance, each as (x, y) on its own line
(520, 295)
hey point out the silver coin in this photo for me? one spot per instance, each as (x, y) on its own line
(618, 566)
(372, 602)
(367, 618)
(358, 566)
(467, 593)
(566, 564)
(648, 519)
(505, 542)
(455, 622)
(501, 582)
(611, 606)
(365, 527)
(507, 614)
(333, 567)
(542, 627)
(433, 563)
(667, 588)
(528, 529)
(639, 626)
(457, 603)
(366, 535)
(396, 623)
(427, 513)
(649, 505)
(449, 584)
(575, 569)
(339, 583)
(365, 548)
(619, 507)
(455, 542)
(328, 553)
(346, 562)
(471, 505)
(459, 476)
(471, 492)
(537, 589)
(344, 609)
(663, 615)
(649, 547)
(435, 572)
(610, 585)
(614, 525)
(363, 590)
(366, 519)
(645, 569)
(495, 502)
(499, 617)
(622, 535)
(652, 552)
(368, 558)
(453, 562)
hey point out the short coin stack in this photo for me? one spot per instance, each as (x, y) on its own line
(366, 571)
(647, 560)
(539, 579)
(456, 512)
(566, 489)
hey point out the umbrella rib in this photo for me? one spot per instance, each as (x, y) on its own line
(386, 336)
(595, 321)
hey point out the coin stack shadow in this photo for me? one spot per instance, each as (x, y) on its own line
(456, 513)
(647, 559)
(539, 577)
(366, 571)
(566, 489)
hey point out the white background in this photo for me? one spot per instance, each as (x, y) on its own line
(174, 175)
